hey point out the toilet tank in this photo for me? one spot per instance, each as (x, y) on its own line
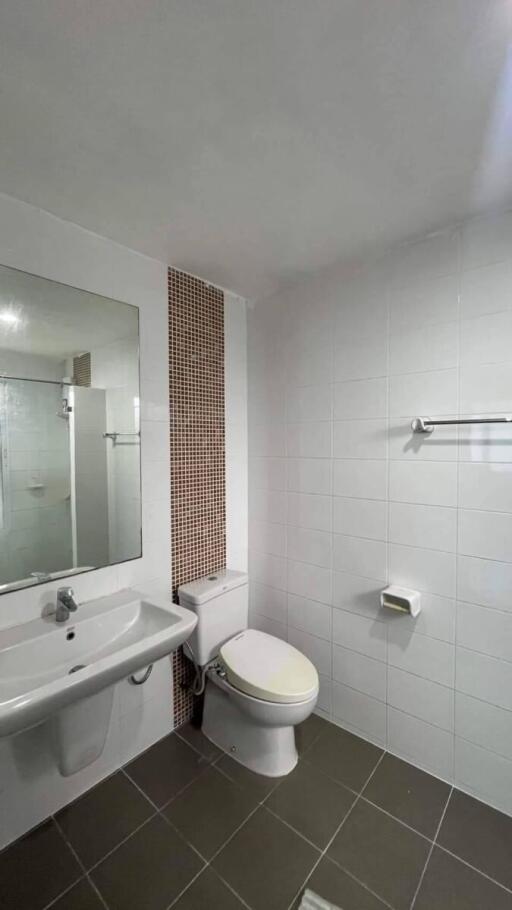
(221, 603)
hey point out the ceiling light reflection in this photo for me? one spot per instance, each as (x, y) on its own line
(9, 318)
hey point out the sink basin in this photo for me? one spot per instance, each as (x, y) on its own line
(106, 639)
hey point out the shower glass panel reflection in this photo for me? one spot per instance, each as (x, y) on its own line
(35, 529)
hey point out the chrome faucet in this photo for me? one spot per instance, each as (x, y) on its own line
(66, 604)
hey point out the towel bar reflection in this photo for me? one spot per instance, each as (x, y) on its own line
(426, 425)
(114, 436)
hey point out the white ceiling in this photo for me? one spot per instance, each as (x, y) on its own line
(254, 141)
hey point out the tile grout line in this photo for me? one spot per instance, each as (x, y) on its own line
(295, 830)
(208, 863)
(362, 884)
(410, 546)
(226, 775)
(474, 869)
(313, 741)
(396, 819)
(261, 804)
(214, 872)
(185, 889)
(63, 893)
(159, 812)
(235, 832)
(98, 892)
(241, 786)
(242, 901)
(211, 761)
(121, 842)
(388, 489)
(81, 864)
(332, 508)
(358, 797)
(86, 870)
(148, 798)
(328, 777)
(178, 833)
(338, 829)
(430, 852)
(52, 815)
(456, 628)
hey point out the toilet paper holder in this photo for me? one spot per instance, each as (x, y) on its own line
(404, 600)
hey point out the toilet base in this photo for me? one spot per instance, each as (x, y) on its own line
(263, 747)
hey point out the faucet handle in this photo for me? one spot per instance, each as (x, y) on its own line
(67, 596)
(65, 592)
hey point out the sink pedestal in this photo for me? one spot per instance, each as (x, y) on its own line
(79, 732)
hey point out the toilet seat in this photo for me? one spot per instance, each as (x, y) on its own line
(268, 668)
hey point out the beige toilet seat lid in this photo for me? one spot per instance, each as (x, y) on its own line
(266, 667)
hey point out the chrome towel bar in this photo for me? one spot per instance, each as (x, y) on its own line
(426, 425)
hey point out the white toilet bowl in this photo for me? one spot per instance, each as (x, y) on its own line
(258, 687)
(257, 732)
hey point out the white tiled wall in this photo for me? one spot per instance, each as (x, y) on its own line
(34, 241)
(235, 409)
(343, 498)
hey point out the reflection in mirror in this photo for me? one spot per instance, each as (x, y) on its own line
(69, 431)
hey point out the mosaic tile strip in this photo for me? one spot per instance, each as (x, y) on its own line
(82, 370)
(198, 483)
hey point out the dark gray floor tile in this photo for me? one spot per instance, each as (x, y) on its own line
(480, 835)
(416, 798)
(207, 892)
(193, 736)
(334, 885)
(312, 803)
(382, 853)
(209, 811)
(36, 869)
(343, 756)
(309, 731)
(266, 862)
(166, 768)
(256, 784)
(104, 816)
(149, 870)
(81, 897)
(448, 884)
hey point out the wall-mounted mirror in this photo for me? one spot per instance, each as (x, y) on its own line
(69, 431)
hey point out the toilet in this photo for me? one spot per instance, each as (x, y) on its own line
(257, 687)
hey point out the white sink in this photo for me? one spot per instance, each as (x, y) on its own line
(112, 637)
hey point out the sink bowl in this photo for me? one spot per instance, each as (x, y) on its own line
(105, 641)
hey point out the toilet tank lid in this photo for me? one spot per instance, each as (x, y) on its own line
(203, 589)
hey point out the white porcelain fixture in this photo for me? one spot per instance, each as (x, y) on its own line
(257, 686)
(106, 639)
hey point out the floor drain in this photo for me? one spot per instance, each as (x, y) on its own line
(78, 667)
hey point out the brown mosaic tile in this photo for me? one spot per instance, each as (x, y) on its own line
(82, 370)
(196, 376)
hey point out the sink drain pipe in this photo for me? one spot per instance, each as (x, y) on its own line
(140, 682)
